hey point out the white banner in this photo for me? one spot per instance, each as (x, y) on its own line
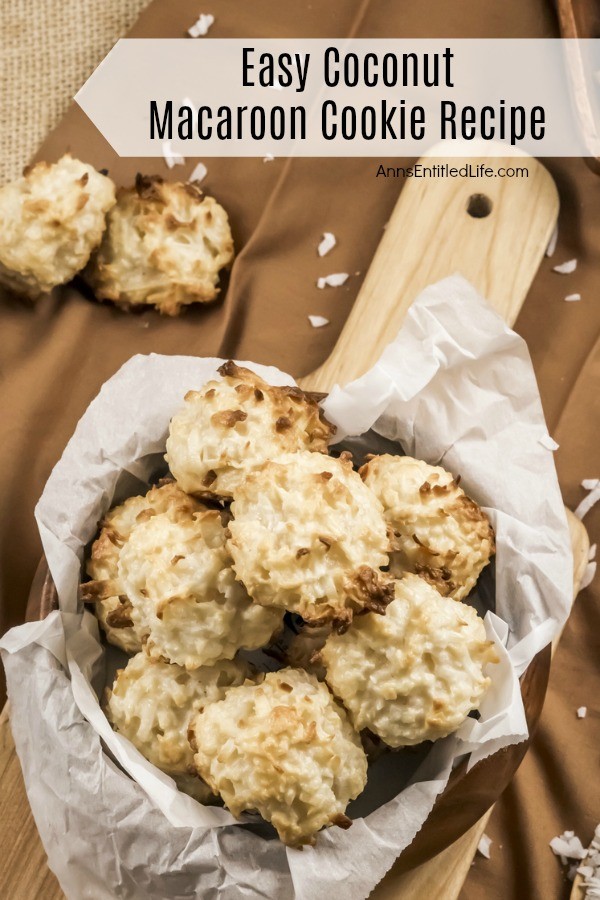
(244, 97)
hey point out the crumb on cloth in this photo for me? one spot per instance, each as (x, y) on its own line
(327, 243)
(199, 172)
(202, 25)
(484, 845)
(337, 279)
(566, 268)
(318, 321)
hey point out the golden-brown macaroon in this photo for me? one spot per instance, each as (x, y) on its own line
(164, 246)
(51, 219)
(185, 601)
(438, 532)
(415, 673)
(307, 535)
(106, 590)
(234, 425)
(152, 703)
(285, 748)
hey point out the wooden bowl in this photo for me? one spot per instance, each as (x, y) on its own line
(467, 795)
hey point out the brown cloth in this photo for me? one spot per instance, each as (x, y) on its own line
(56, 354)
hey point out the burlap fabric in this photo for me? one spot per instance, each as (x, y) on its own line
(47, 50)
(55, 356)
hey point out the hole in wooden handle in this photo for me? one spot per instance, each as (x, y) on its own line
(479, 206)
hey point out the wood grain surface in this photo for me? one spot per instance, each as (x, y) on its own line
(431, 234)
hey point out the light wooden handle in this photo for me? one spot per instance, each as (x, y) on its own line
(433, 233)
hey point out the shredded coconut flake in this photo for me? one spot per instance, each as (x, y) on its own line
(590, 868)
(335, 280)
(328, 242)
(566, 268)
(171, 158)
(202, 25)
(548, 442)
(484, 846)
(571, 298)
(593, 486)
(567, 845)
(590, 483)
(582, 712)
(200, 172)
(552, 242)
(268, 158)
(318, 321)
(588, 575)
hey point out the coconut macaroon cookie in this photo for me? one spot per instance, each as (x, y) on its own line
(438, 532)
(186, 604)
(414, 674)
(106, 590)
(164, 246)
(283, 747)
(51, 219)
(308, 536)
(151, 703)
(234, 425)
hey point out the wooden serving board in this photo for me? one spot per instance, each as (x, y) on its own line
(432, 233)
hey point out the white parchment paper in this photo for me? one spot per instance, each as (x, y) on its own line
(455, 387)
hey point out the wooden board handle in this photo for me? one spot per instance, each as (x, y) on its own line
(494, 231)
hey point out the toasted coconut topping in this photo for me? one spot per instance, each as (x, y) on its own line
(438, 532)
(120, 617)
(285, 748)
(342, 821)
(426, 687)
(304, 650)
(229, 417)
(374, 592)
(232, 426)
